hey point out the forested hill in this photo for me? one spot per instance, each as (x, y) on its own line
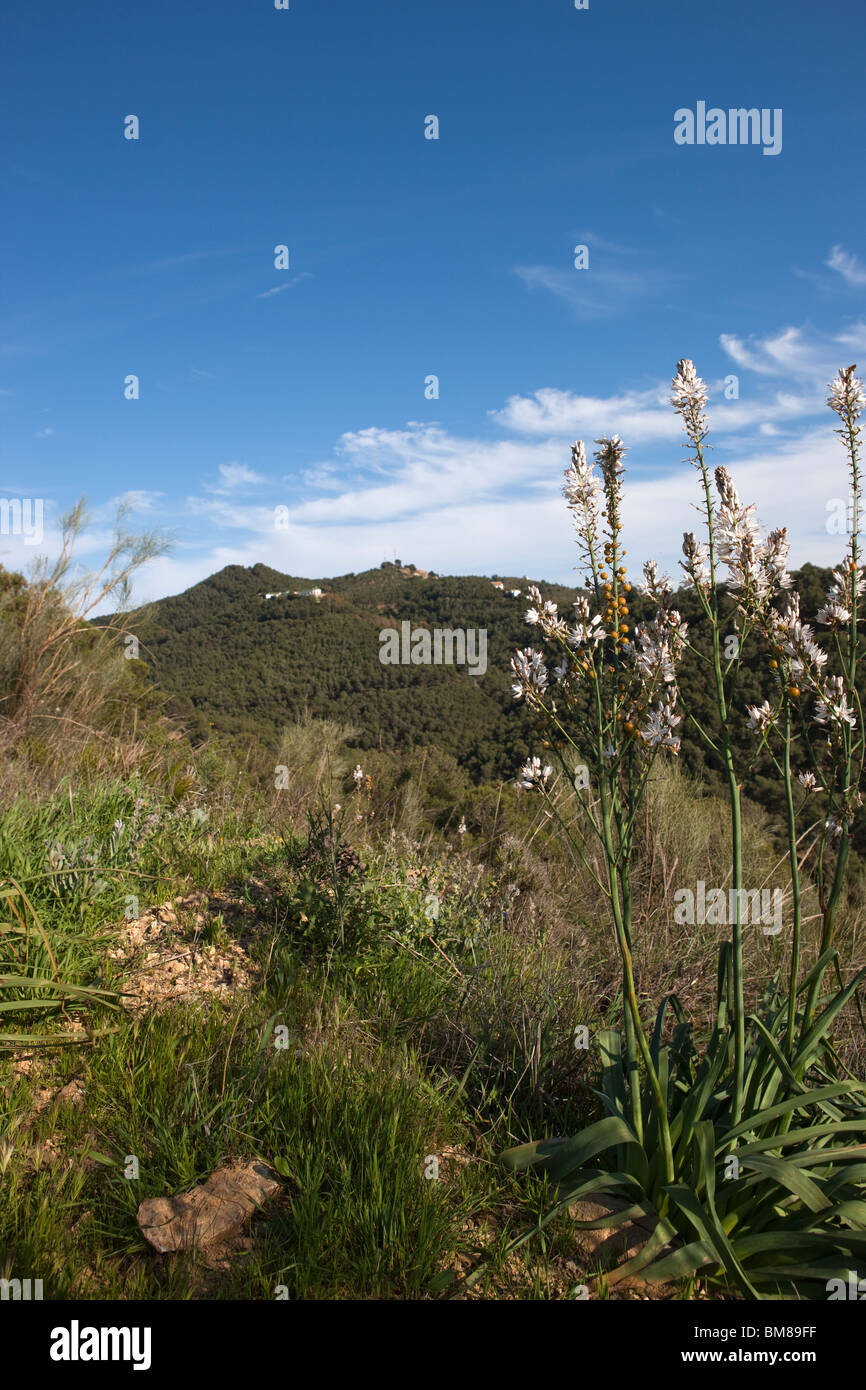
(247, 665)
(238, 662)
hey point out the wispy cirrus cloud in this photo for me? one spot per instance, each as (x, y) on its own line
(286, 285)
(645, 417)
(139, 500)
(598, 291)
(187, 258)
(233, 476)
(422, 470)
(805, 361)
(500, 528)
(848, 266)
(278, 289)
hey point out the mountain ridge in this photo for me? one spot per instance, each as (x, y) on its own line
(233, 663)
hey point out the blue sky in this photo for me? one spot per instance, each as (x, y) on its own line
(305, 388)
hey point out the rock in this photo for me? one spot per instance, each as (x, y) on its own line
(70, 1094)
(610, 1246)
(213, 1214)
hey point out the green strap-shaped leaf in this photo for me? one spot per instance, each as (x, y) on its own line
(688, 1259)
(604, 1134)
(528, 1155)
(806, 1136)
(43, 982)
(822, 1022)
(710, 1234)
(790, 1177)
(804, 1101)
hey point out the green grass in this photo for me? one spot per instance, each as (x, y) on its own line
(346, 1116)
(408, 1035)
(374, 1081)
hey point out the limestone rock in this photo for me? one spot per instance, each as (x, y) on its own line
(212, 1214)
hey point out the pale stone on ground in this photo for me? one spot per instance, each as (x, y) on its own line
(213, 1214)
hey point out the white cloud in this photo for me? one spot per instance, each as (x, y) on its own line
(848, 266)
(139, 500)
(423, 470)
(466, 505)
(323, 475)
(597, 291)
(44, 434)
(466, 533)
(644, 417)
(287, 285)
(229, 513)
(803, 361)
(232, 476)
(278, 289)
(635, 415)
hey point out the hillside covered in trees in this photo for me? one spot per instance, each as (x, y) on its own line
(239, 663)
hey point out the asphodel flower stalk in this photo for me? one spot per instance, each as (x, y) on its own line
(846, 399)
(629, 679)
(757, 578)
(689, 399)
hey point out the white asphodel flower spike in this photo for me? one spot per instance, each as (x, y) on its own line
(757, 569)
(833, 707)
(583, 494)
(849, 585)
(808, 781)
(846, 393)
(760, 717)
(696, 563)
(544, 614)
(834, 615)
(689, 399)
(533, 775)
(654, 584)
(659, 729)
(531, 672)
(582, 489)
